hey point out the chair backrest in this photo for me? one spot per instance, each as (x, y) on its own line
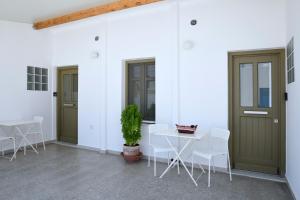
(38, 119)
(219, 139)
(153, 128)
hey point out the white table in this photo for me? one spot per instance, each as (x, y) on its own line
(167, 134)
(18, 124)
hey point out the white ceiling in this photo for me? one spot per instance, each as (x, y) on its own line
(30, 11)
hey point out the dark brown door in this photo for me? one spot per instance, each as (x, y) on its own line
(68, 87)
(256, 117)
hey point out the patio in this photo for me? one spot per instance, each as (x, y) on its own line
(70, 173)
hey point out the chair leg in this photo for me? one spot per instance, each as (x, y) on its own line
(24, 148)
(213, 164)
(154, 156)
(209, 173)
(15, 148)
(36, 141)
(192, 165)
(229, 167)
(2, 152)
(149, 160)
(14, 156)
(43, 140)
(178, 170)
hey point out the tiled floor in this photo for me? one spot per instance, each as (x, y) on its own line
(69, 173)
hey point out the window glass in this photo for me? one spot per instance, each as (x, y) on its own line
(141, 88)
(37, 78)
(75, 87)
(290, 62)
(67, 78)
(246, 85)
(264, 85)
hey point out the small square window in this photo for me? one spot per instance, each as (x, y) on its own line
(37, 78)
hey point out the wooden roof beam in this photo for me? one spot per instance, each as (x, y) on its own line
(91, 12)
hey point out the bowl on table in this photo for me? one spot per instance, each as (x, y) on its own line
(186, 129)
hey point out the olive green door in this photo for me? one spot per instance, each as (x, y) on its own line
(256, 117)
(68, 98)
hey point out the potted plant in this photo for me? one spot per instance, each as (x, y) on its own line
(131, 127)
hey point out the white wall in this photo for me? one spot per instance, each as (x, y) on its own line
(293, 106)
(191, 85)
(123, 36)
(21, 46)
(74, 46)
(223, 26)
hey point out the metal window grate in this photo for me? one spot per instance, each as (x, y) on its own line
(37, 78)
(290, 61)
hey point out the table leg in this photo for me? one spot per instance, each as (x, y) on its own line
(178, 158)
(26, 141)
(17, 149)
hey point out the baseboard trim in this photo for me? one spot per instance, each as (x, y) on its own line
(290, 189)
(259, 175)
(79, 146)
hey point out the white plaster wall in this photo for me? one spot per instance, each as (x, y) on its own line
(142, 33)
(74, 46)
(191, 85)
(21, 46)
(123, 36)
(293, 106)
(223, 26)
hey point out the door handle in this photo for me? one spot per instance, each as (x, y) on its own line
(255, 112)
(68, 105)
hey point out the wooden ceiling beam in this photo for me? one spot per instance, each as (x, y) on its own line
(91, 12)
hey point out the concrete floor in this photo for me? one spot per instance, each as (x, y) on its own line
(69, 173)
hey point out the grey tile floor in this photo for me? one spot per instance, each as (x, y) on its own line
(69, 173)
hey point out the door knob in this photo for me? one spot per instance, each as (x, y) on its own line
(276, 121)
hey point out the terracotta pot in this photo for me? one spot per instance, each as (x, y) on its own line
(131, 150)
(132, 158)
(131, 153)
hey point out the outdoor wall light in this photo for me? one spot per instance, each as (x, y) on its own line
(95, 55)
(187, 45)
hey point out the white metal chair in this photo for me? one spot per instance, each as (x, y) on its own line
(153, 128)
(36, 130)
(217, 145)
(12, 139)
(39, 130)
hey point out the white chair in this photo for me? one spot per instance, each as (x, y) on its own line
(216, 145)
(38, 130)
(12, 139)
(153, 128)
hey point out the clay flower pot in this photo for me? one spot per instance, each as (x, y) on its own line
(131, 153)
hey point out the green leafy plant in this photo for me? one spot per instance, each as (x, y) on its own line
(131, 125)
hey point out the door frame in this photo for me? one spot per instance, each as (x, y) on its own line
(282, 103)
(58, 102)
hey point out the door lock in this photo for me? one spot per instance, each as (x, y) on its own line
(276, 121)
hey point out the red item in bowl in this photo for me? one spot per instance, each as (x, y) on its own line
(186, 129)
